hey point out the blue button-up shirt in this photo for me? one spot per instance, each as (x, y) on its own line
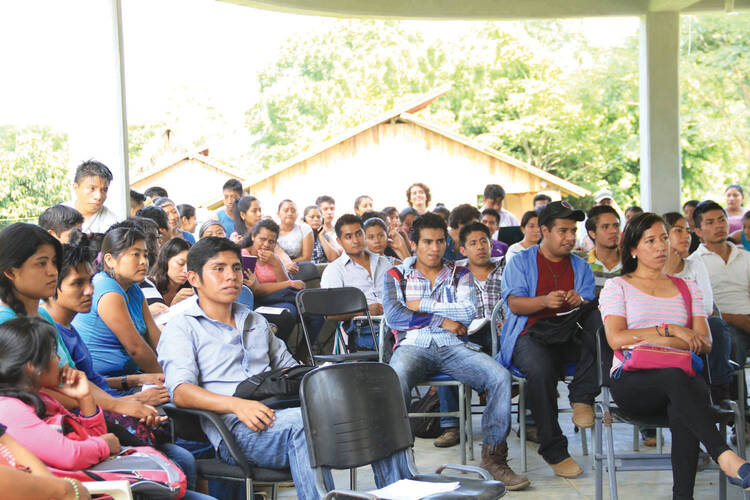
(452, 296)
(196, 349)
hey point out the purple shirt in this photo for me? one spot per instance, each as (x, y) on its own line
(498, 248)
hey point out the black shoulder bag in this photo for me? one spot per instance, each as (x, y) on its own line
(561, 329)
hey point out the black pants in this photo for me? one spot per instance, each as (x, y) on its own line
(685, 401)
(543, 367)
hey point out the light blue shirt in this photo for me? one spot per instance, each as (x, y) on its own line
(226, 221)
(520, 278)
(198, 350)
(345, 272)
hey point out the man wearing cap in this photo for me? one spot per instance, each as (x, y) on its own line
(546, 283)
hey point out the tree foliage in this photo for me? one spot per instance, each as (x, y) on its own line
(33, 174)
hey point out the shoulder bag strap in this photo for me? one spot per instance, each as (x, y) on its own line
(686, 297)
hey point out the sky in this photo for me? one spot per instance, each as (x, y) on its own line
(211, 52)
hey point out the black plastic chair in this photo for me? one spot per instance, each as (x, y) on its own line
(186, 424)
(355, 414)
(334, 302)
(608, 413)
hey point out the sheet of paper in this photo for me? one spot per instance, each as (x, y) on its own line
(177, 309)
(269, 310)
(407, 489)
(476, 325)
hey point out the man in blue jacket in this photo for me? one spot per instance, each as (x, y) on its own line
(542, 284)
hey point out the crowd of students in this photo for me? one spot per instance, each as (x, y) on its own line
(103, 320)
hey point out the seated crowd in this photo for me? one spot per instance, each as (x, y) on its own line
(103, 320)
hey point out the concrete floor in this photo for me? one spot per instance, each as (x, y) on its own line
(544, 484)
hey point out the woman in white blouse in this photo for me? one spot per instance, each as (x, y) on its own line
(294, 238)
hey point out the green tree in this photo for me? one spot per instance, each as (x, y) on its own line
(33, 174)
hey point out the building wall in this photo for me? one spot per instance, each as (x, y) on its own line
(189, 181)
(384, 160)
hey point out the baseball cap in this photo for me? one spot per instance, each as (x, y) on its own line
(559, 210)
(603, 194)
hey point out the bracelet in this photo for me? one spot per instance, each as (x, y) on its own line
(666, 329)
(124, 382)
(75, 486)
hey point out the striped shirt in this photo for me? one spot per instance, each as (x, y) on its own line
(451, 297)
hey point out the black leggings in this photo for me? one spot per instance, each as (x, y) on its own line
(686, 403)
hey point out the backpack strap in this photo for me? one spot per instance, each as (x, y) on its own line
(686, 297)
(396, 273)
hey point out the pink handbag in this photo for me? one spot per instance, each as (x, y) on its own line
(655, 357)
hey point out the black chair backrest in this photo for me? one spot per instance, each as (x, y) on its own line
(186, 425)
(354, 414)
(510, 234)
(307, 272)
(603, 357)
(331, 301)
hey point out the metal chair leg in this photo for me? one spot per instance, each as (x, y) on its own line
(353, 479)
(659, 440)
(462, 422)
(611, 458)
(522, 421)
(274, 491)
(599, 484)
(636, 441)
(584, 442)
(469, 423)
(249, 493)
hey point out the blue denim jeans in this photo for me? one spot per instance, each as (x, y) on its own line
(284, 445)
(721, 351)
(415, 364)
(185, 461)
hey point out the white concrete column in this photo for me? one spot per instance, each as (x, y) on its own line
(660, 112)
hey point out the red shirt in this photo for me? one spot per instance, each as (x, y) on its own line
(548, 271)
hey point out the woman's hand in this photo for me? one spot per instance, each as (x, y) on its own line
(249, 280)
(148, 378)
(299, 285)
(112, 442)
(292, 268)
(157, 308)
(182, 294)
(75, 490)
(695, 342)
(264, 256)
(235, 238)
(73, 383)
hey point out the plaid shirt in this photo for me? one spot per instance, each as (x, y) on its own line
(452, 297)
(490, 292)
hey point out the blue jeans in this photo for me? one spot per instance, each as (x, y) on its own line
(721, 350)
(185, 461)
(284, 445)
(415, 364)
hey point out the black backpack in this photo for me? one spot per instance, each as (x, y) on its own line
(426, 427)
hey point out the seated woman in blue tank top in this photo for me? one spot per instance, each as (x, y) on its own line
(119, 331)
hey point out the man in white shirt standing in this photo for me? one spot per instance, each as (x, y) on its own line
(493, 198)
(359, 268)
(729, 270)
(90, 186)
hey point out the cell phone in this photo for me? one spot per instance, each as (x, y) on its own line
(249, 262)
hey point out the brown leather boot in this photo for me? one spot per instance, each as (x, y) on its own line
(495, 461)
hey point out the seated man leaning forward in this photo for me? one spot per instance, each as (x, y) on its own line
(428, 302)
(216, 344)
(538, 285)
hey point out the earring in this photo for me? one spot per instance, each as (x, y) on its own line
(635, 257)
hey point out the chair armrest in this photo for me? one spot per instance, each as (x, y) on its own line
(119, 490)
(234, 448)
(336, 494)
(465, 468)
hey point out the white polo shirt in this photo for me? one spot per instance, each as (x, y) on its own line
(730, 281)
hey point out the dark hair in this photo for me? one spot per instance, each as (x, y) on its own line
(470, 228)
(427, 221)
(76, 252)
(155, 192)
(592, 216)
(671, 218)
(92, 168)
(542, 197)
(492, 212)
(442, 211)
(206, 249)
(137, 198)
(25, 340)
(427, 194)
(163, 200)
(494, 192)
(267, 224)
(60, 218)
(308, 209)
(186, 210)
(407, 212)
(156, 214)
(207, 224)
(151, 230)
(18, 242)
(633, 208)
(159, 270)
(233, 185)
(346, 219)
(286, 200)
(632, 236)
(241, 205)
(324, 199)
(690, 203)
(389, 211)
(359, 199)
(372, 214)
(118, 239)
(703, 207)
(463, 214)
(527, 216)
(374, 221)
(737, 187)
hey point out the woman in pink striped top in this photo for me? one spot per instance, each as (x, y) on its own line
(645, 305)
